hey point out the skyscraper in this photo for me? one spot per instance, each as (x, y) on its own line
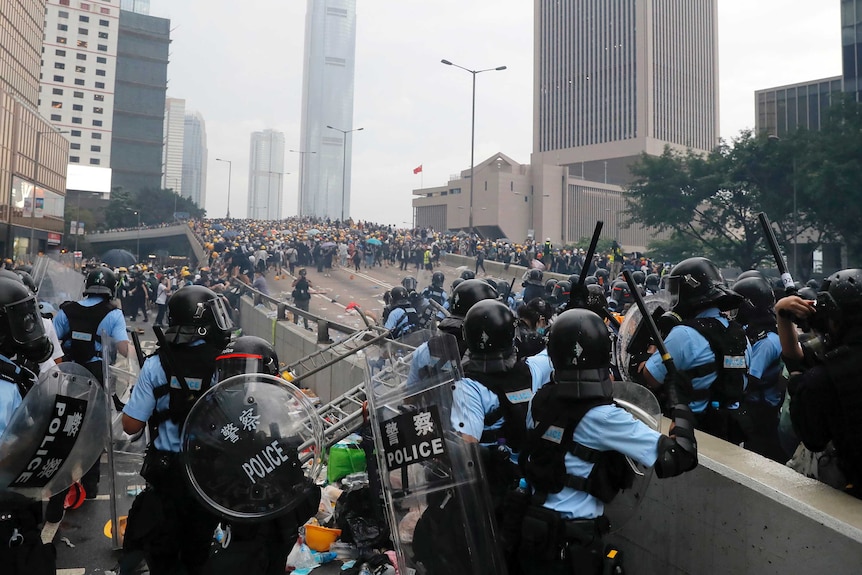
(327, 100)
(266, 175)
(172, 153)
(851, 45)
(139, 6)
(615, 78)
(194, 182)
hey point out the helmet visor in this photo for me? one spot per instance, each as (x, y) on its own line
(231, 364)
(25, 323)
(220, 313)
(673, 284)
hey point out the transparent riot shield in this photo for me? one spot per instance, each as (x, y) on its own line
(56, 434)
(643, 406)
(57, 283)
(633, 337)
(125, 452)
(427, 471)
(243, 446)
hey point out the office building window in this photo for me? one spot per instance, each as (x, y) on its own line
(80, 69)
(81, 56)
(85, 6)
(104, 23)
(57, 105)
(79, 81)
(78, 107)
(63, 14)
(82, 43)
(95, 161)
(98, 110)
(97, 123)
(100, 72)
(57, 91)
(59, 65)
(75, 146)
(59, 52)
(99, 97)
(103, 35)
(100, 85)
(77, 121)
(101, 60)
(58, 78)
(62, 27)
(74, 160)
(83, 18)
(61, 40)
(76, 133)
(56, 118)
(95, 148)
(104, 10)
(83, 31)
(78, 94)
(103, 48)
(64, 2)
(97, 135)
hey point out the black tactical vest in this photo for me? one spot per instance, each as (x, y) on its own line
(408, 323)
(728, 344)
(514, 389)
(844, 366)
(196, 365)
(434, 293)
(83, 329)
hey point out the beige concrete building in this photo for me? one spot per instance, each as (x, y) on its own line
(33, 155)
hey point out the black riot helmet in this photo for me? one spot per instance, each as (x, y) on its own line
(27, 280)
(467, 294)
(504, 289)
(759, 302)
(839, 304)
(590, 280)
(579, 347)
(493, 283)
(489, 330)
(550, 284)
(409, 283)
(602, 275)
(749, 274)
(562, 291)
(248, 354)
(437, 279)
(467, 275)
(534, 310)
(574, 279)
(696, 284)
(455, 283)
(101, 281)
(639, 276)
(399, 295)
(533, 277)
(620, 295)
(22, 332)
(807, 293)
(196, 312)
(652, 282)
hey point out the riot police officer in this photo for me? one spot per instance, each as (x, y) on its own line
(166, 523)
(711, 354)
(22, 339)
(534, 318)
(436, 293)
(403, 317)
(575, 446)
(825, 403)
(766, 386)
(532, 285)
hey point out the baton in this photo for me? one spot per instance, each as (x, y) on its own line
(769, 234)
(578, 290)
(666, 359)
(139, 352)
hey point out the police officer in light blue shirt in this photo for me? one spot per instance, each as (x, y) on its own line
(577, 433)
(711, 354)
(403, 318)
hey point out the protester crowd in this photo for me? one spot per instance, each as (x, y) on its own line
(538, 365)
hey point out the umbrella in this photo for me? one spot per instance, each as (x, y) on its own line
(537, 265)
(462, 234)
(373, 241)
(325, 245)
(313, 232)
(230, 234)
(118, 258)
(218, 227)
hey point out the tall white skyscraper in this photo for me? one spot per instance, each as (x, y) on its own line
(139, 6)
(266, 175)
(327, 100)
(194, 182)
(172, 154)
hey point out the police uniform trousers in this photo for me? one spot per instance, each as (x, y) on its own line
(168, 525)
(551, 545)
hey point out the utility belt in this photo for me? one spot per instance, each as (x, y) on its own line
(548, 536)
(21, 548)
(732, 425)
(159, 465)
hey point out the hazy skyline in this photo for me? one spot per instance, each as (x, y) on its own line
(240, 65)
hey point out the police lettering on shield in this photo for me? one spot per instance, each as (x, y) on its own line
(412, 438)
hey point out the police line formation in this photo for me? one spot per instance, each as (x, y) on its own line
(534, 375)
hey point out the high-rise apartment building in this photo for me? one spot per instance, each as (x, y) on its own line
(266, 175)
(33, 154)
(78, 71)
(139, 6)
(139, 101)
(194, 182)
(172, 153)
(851, 46)
(327, 100)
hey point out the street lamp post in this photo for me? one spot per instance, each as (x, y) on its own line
(229, 170)
(302, 154)
(344, 163)
(472, 127)
(138, 240)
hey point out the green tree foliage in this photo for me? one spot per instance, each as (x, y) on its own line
(155, 207)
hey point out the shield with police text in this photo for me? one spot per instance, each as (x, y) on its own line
(56, 434)
(644, 407)
(436, 495)
(633, 337)
(249, 446)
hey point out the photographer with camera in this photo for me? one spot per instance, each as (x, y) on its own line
(826, 399)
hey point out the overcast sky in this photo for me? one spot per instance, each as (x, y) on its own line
(239, 63)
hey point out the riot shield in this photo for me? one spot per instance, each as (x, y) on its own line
(56, 434)
(643, 406)
(242, 446)
(126, 453)
(57, 283)
(427, 471)
(633, 337)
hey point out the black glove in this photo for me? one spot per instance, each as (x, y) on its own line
(683, 429)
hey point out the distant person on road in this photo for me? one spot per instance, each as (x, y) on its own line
(480, 261)
(302, 295)
(259, 282)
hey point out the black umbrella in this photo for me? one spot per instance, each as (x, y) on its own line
(118, 258)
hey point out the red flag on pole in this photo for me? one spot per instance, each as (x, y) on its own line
(417, 170)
